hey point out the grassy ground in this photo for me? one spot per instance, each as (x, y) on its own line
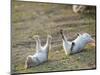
(29, 19)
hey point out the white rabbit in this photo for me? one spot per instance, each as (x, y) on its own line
(41, 54)
(76, 45)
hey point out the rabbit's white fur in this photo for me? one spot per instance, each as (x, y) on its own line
(79, 43)
(41, 54)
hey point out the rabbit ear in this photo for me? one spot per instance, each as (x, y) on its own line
(78, 34)
(92, 42)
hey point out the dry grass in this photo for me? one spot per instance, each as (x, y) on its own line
(29, 19)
